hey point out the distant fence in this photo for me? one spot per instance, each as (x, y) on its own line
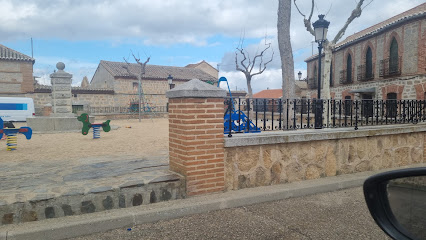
(279, 114)
(127, 110)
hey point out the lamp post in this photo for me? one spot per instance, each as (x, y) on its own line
(299, 74)
(170, 80)
(320, 28)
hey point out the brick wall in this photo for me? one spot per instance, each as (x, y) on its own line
(196, 143)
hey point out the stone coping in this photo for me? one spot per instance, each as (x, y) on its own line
(196, 89)
(277, 137)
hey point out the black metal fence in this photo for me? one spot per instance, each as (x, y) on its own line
(279, 114)
(127, 110)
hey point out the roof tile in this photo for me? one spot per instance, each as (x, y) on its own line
(10, 54)
(157, 72)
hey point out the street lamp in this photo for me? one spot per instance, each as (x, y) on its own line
(299, 74)
(170, 80)
(320, 29)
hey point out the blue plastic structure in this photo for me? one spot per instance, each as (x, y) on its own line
(239, 120)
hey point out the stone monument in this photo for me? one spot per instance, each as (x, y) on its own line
(61, 92)
(61, 118)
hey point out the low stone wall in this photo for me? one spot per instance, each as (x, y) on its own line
(278, 157)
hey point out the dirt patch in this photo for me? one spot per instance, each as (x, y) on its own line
(145, 138)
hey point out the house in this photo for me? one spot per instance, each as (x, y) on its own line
(16, 72)
(113, 75)
(384, 61)
(206, 67)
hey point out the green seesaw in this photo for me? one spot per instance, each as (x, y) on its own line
(84, 118)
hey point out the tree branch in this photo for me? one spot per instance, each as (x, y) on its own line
(355, 14)
(264, 65)
(261, 57)
(307, 22)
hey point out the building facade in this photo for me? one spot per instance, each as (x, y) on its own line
(385, 61)
(16, 72)
(114, 76)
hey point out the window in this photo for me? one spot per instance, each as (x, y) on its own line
(315, 74)
(391, 105)
(393, 57)
(349, 69)
(331, 74)
(367, 105)
(348, 105)
(369, 64)
(76, 108)
(135, 86)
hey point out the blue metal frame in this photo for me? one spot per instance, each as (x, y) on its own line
(236, 120)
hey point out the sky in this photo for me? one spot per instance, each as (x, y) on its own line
(80, 33)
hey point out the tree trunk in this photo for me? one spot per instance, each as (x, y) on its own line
(326, 95)
(286, 53)
(249, 89)
(284, 45)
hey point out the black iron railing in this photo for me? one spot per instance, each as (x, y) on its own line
(363, 75)
(278, 114)
(345, 78)
(390, 67)
(126, 110)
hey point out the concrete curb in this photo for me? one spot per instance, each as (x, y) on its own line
(74, 226)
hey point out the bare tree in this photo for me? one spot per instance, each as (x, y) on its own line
(284, 45)
(138, 74)
(329, 46)
(247, 64)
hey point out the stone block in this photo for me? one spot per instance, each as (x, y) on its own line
(60, 87)
(61, 81)
(63, 95)
(87, 207)
(137, 200)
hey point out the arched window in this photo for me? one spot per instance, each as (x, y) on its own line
(393, 57)
(349, 69)
(369, 64)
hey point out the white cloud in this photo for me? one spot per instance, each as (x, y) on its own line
(78, 68)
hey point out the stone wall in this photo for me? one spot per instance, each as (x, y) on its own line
(409, 90)
(16, 77)
(290, 156)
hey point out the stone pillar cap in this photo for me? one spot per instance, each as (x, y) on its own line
(60, 73)
(196, 89)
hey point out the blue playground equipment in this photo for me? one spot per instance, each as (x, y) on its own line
(11, 138)
(236, 119)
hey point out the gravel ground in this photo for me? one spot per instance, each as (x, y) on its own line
(150, 137)
(335, 215)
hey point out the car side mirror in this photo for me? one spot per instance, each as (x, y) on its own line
(397, 202)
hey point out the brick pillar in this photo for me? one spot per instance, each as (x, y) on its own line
(196, 144)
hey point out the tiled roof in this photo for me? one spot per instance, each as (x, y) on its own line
(10, 54)
(407, 15)
(269, 93)
(419, 11)
(157, 72)
(48, 89)
(196, 64)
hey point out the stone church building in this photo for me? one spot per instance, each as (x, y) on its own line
(384, 61)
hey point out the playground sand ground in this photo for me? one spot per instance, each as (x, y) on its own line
(146, 138)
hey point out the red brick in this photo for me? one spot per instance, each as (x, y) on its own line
(205, 166)
(215, 170)
(205, 157)
(205, 176)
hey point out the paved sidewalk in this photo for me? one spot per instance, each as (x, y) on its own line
(74, 226)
